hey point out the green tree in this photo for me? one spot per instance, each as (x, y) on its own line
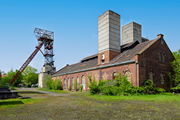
(175, 76)
(29, 70)
(9, 76)
(30, 76)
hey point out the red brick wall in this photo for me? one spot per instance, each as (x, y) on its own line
(106, 73)
(109, 55)
(149, 63)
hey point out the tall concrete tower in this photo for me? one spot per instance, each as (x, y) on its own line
(108, 36)
(131, 33)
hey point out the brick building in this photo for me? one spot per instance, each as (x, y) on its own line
(134, 56)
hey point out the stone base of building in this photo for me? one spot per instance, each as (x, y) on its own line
(41, 80)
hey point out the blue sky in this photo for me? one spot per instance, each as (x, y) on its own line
(75, 25)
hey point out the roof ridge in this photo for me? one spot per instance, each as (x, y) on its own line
(148, 45)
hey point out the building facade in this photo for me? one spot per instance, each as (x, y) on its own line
(136, 57)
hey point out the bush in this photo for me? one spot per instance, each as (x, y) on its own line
(110, 90)
(137, 90)
(149, 87)
(4, 82)
(56, 85)
(160, 90)
(176, 89)
(94, 88)
(121, 86)
(53, 84)
(81, 88)
(48, 82)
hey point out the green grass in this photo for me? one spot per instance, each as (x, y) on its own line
(158, 97)
(8, 103)
(56, 91)
(83, 106)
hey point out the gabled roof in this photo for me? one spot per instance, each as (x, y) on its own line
(128, 52)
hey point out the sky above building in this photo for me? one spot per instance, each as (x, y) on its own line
(74, 23)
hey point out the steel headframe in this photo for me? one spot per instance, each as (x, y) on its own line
(47, 37)
(43, 33)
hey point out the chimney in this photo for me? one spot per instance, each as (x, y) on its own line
(108, 36)
(131, 32)
(160, 36)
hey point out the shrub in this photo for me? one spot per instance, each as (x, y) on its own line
(76, 86)
(121, 86)
(94, 88)
(176, 89)
(48, 82)
(56, 84)
(53, 84)
(149, 87)
(81, 88)
(4, 82)
(109, 90)
(160, 90)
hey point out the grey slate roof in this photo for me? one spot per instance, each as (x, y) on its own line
(128, 51)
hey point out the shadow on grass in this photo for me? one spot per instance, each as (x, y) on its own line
(11, 102)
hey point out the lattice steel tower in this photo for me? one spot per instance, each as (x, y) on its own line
(47, 37)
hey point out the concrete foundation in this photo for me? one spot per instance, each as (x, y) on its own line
(46, 70)
(41, 79)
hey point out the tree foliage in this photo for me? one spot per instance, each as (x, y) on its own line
(5, 81)
(30, 76)
(175, 76)
(27, 77)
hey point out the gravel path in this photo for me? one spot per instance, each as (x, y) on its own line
(43, 92)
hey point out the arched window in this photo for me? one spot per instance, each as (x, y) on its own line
(69, 83)
(72, 83)
(84, 82)
(65, 84)
(78, 83)
(128, 74)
